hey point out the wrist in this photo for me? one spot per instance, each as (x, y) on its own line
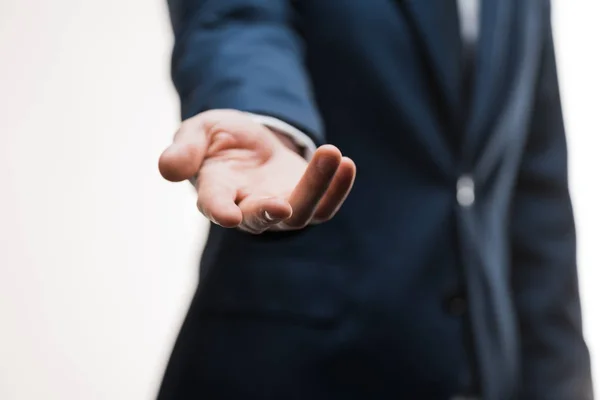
(288, 142)
(292, 138)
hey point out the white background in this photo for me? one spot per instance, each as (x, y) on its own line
(97, 254)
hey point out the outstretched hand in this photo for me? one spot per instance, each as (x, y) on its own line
(247, 177)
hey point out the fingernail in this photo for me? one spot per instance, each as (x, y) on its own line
(268, 216)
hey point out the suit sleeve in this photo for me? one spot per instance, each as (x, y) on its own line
(244, 55)
(555, 359)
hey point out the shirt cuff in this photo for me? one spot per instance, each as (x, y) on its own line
(298, 137)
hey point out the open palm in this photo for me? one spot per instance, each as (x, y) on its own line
(246, 177)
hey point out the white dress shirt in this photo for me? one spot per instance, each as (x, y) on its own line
(468, 14)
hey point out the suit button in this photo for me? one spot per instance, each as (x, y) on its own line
(456, 305)
(465, 191)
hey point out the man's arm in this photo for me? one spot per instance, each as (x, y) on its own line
(555, 359)
(236, 62)
(243, 55)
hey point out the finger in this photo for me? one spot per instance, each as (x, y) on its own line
(338, 191)
(182, 159)
(313, 185)
(217, 203)
(259, 214)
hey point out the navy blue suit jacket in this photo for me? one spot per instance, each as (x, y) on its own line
(407, 293)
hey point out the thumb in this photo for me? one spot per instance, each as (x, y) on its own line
(182, 159)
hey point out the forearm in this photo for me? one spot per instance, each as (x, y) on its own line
(242, 55)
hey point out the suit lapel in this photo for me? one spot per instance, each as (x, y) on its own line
(490, 70)
(437, 27)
